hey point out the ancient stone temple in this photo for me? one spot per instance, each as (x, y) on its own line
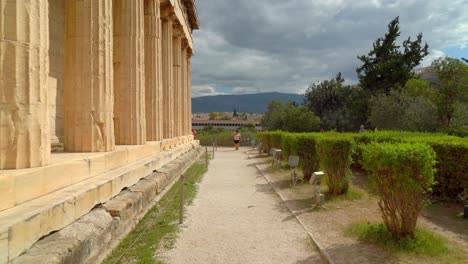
(106, 83)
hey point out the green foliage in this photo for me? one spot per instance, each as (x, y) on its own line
(387, 66)
(224, 138)
(289, 117)
(273, 118)
(403, 174)
(275, 139)
(403, 111)
(452, 88)
(424, 244)
(341, 108)
(452, 153)
(452, 169)
(306, 147)
(335, 151)
(300, 119)
(289, 145)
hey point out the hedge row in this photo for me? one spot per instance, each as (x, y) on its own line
(451, 153)
(224, 138)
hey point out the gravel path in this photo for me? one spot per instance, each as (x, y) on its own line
(237, 218)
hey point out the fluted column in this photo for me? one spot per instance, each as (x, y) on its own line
(24, 70)
(183, 96)
(88, 94)
(167, 78)
(153, 74)
(177, 58)
(129, 72)
(189, 91)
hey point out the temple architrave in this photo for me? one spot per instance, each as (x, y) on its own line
(104, 82)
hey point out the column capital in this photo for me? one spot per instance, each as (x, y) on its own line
(177, 32)
(168, 12)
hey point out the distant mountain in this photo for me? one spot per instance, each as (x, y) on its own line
(243, 103)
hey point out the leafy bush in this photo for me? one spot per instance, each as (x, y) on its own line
(289, 144)
(403, 174)
(452, 153)
(306, 148)
(275, 139)
(335, 152)
(452, 169)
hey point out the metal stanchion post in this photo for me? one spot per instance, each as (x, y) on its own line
(182, 200)
(206, 155)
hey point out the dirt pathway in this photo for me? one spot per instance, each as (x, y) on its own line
(238, 218)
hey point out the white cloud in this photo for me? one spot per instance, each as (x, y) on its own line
(204, 90)
(433, 55)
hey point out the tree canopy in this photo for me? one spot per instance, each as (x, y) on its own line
(289, 117)
(339, 107)
(387, 66)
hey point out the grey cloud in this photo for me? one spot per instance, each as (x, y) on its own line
(277, 45)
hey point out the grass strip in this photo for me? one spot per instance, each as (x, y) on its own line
(426, 245)
(159, 227)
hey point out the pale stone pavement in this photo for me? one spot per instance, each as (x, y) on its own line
(238, 218)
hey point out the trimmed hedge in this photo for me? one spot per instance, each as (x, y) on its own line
(224, 138)
(307, 146)
(335, 159)
(451, 153)
(403, 174)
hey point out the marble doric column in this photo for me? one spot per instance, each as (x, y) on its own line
(189, 92)
(88, 94)
(177, 58)
(24, 70)
(183, 89)
(167, 78)
(153, 73)
(129, 72)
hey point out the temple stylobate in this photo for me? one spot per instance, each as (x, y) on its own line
(92, 75)
(95, 120)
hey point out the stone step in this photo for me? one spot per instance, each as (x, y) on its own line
(88, 239)
(66, 169)
(23, 225)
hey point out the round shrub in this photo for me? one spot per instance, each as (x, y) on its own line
(403, 174)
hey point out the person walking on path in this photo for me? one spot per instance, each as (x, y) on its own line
(236, 136)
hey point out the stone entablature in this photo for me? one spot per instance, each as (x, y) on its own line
(110, 69)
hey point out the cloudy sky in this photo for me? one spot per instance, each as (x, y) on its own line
(249, 46)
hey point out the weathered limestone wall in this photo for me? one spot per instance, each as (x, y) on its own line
(129, 72)
(24, 95)
(89, 87)
(57, 25)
